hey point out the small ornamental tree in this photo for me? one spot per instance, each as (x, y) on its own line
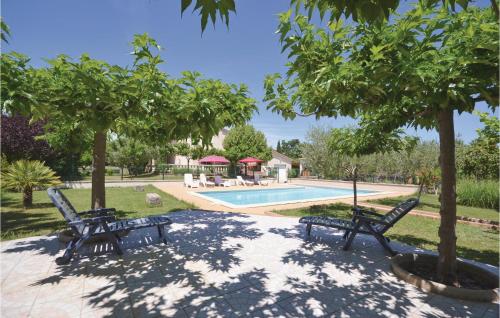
(244, 141)
(130, 153)
(185, 149)
(354, 143)
(24, 140)
(416, 70)
(19, 139)
(25, 175)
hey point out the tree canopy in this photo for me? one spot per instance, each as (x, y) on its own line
(371, 11)
(480, 158)
(426, 59)
(354, 142)
(413, 71)
(245, 141)
(94, 98)
(291, 148)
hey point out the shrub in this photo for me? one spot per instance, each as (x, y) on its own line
(293, 173)
(109, 171)
(478, 193)
(20, 140)
(177, 171)
(24, 175)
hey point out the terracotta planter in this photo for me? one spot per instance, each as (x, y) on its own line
(402, 261)
(67, 235)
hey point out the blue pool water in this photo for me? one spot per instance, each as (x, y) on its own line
(276, 196)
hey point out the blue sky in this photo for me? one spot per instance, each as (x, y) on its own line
(244, 53)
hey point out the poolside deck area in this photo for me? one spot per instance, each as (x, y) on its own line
(178, 190)
(218, 264)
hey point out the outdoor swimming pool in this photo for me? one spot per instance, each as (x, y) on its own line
(263, 197)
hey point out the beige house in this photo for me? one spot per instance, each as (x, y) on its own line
(216, 143)
(279, 160)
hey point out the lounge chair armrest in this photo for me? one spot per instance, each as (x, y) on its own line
(363, 211)
(91, 221)
(366, 219)
(98, 212)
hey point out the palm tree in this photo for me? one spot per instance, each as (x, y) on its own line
(24, 175)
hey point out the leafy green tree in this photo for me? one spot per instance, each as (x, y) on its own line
(278, 146)
(100, 98)
(185, 149)
(16, 77)
(480, 158)
(140, 102)
(372, 11)
(417, 70)
(211, 9)
(24, 175)
(244, 141)
(4, 30)
(164, 151)
(291, 148)
(318, 156)
(355, 143)
(130, 153)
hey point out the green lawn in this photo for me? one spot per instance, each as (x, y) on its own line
(44, 218)
(472, 242)
(430, 202)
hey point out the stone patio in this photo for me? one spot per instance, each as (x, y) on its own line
(218, 264)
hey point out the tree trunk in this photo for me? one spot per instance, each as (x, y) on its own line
(99, 171)
(446, 268)
(354, 185)
(27, 197)
(494, 5)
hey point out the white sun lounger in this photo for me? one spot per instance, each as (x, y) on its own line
(189, 182)
(240, 180)
(261, 182)
(220, 182)
(205, 182)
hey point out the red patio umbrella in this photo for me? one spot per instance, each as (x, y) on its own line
(248, 160)
(214, 160)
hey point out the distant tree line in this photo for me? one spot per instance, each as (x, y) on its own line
(478, 159)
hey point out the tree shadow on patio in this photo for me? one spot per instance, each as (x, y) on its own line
(222, 264)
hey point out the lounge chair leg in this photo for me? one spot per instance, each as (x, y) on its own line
(308, 229)
(68, 253)
(346, 234)
(347, 244)
(384, 243)
(161, 232)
